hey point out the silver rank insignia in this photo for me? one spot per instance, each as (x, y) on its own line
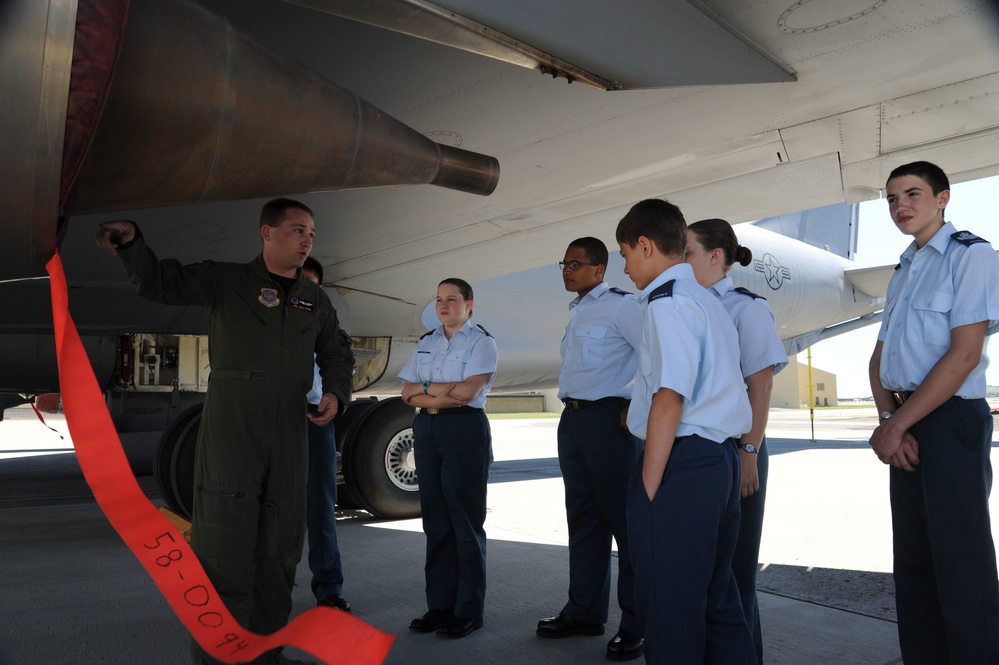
(269, 298)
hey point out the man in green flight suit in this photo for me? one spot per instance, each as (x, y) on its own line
(265, 323)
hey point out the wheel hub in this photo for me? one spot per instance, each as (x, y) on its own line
(400, 462)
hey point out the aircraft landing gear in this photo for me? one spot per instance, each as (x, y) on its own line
(379, 469)
(375, 437)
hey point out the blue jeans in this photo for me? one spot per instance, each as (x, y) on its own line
(320, 516)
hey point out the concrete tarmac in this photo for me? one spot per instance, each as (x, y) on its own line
(73, 594)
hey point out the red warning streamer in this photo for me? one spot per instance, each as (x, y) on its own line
(331, 635)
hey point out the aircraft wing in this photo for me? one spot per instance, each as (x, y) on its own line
(871, 281)
(764, 110)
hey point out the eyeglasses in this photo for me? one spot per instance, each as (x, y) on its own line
(573, 266)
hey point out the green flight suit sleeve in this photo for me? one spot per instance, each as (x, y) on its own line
(168, 281)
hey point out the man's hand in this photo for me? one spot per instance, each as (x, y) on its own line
(328, 407)
(907, 456)
(892, 447)
(110, 235)
(750, 474)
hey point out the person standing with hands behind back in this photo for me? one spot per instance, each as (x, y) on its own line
(928, 378)
(596, 452)
(448, 378)
(712, 250)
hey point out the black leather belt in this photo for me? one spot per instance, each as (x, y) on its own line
(577, 404)
(454, 409)
(901, 397)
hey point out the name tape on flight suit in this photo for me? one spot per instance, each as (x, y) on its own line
(333, 636)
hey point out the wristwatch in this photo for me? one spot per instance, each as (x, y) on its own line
(426, 387)
(884, 415)
(748, 447)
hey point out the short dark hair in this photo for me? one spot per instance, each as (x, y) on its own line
(932, 174)
(596, 250)
(273, 212)
(315, 267)
(716, 233)
(658, 220)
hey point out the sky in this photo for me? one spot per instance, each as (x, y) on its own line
(880, 243)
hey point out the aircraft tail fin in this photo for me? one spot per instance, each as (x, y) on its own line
(832, 228)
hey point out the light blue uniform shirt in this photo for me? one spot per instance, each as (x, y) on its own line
(944, 285)
(759, 344)
(469, 352)
(690, 346)
(600, 345)
(316, 394)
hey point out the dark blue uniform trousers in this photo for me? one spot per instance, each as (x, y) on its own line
(746, 560)
(320, 514)
(681, 547)
(596, 456)
(453, 452)
(946, 591)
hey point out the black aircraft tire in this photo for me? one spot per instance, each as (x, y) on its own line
(345, 426)
(174, 462)
(379, 461)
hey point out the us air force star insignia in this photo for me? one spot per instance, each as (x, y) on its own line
(775, 273)
(268, 298)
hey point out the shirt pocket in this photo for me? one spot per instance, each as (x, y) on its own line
(591, 340)
(932, 314)
(453, 367)
(424, 365)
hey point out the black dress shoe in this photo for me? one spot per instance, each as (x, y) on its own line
(430, 621)
(563, 626)
(458, 627)
(625, 646)
(335, 601)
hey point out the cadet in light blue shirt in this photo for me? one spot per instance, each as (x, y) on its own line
(712, 250)
(596, 452)
(599, 346)
(689, 404)
(448, 378)
(928, 379)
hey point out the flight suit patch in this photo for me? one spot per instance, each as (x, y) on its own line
(295, 302)
(269, 298)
